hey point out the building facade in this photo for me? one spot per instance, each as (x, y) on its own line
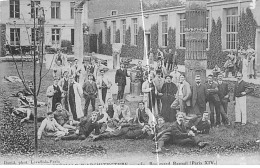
(227, 10)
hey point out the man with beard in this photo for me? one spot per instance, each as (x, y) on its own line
(169, 90)
(122, 113)
(54, 95)
(86, 126)
(158, 83)
(74, 98)
(178, 134)
(199, 95)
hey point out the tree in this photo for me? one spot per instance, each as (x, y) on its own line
(154, 37)
(172, 39)
(118, 36)
(128, 36)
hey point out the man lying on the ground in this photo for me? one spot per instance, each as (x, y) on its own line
(122, 113)
(50, 127)
(26, 114)
(144, 115)
(25, 104)
(86, 126)
(160, 126)
(127, 132)
(64, 118)
(178, 134)
(28, 91)
(102, 118)
(200, 125)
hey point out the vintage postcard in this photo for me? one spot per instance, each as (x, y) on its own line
(130, 82)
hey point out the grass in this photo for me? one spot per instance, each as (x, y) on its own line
(224, 141)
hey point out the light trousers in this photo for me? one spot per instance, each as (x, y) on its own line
(240, 109)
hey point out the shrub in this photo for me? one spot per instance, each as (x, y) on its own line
(180, 56)
(128, 36)
(117, 36)
(154, 37)
(3, 39)
(172, 39)
(100, 38)
(66, 46)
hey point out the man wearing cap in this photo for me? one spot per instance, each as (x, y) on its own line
(86, 126)
(158, 83)
(103, 85)
(169, 90)
(64, 118)
(50, 127)
(64, 85)
(54, 95)
(90, 93)
(122, 113)
(120, 80)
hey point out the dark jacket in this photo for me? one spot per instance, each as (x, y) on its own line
(86, 126)
(121, 77)
(199, 95)
(223, 91)
(242, 87)
(212, 90)
(179, 131)
(89, 88)
(202, 126)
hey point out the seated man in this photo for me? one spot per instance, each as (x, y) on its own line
(110, 107)
(200, 125)
(216, 71)
(143, 115)
(122, 113)
(178, 134)
(24, 106)
(50, 127)
(64, 118)
(26, 114)
(28, 91)
(161, 126)
(86, 126)
(102, 118)
(127, 132)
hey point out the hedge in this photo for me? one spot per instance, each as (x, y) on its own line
(154, 37)
(90, 43)
(117, 36)
(247, 29)
(172, 39)
(3, 39)
(180, 56)
(105, 49)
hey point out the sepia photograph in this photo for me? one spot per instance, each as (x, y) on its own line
(129, 82)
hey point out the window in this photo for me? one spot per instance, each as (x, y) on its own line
(164, 20)
(123, 30)
(55, 10)
(114, 12)
(55, 36)
(135, 30)
(37, 3)
(72, 36)
(232, 27)
(105, 32)
(37, 34)
(182, 32)
(114, 31)
(14, 9)
(207, 27)
(72, 10)
(14, 36)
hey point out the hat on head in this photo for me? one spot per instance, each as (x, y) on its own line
(50, 113)
(168, 76)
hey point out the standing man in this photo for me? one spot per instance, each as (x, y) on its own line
(170, 60)
(158, 83)
(199, 95)
(166, 58)
(223, 92)
(241, 90)
(161, 68)
(74, 70)
(103, 85)
(148, 89)
(120, 80)
(58, 70)
(64, 85)
(90, 92)
(97, 69)
(74, 98)
(54, 95)
(183, 95)
(175, 75)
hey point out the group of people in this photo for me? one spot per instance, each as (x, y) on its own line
(167, 98)
(243, 62)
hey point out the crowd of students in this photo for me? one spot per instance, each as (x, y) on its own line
(167, 99)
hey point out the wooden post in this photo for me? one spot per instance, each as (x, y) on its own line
(195, 40)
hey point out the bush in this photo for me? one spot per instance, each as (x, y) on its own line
(180, 56)
(154, 37)
(3, 39)
(66, 46)
(128, 36)
(117, 36)
(172, 39)
(90, 43)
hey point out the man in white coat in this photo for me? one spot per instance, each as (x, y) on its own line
(103, 85)
(75, 93)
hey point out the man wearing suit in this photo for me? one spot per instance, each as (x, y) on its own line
(199, 95)
(158, 83)
(120, 80)
(183, 95)
(178, 134)
(223, 92)
(241, 90)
